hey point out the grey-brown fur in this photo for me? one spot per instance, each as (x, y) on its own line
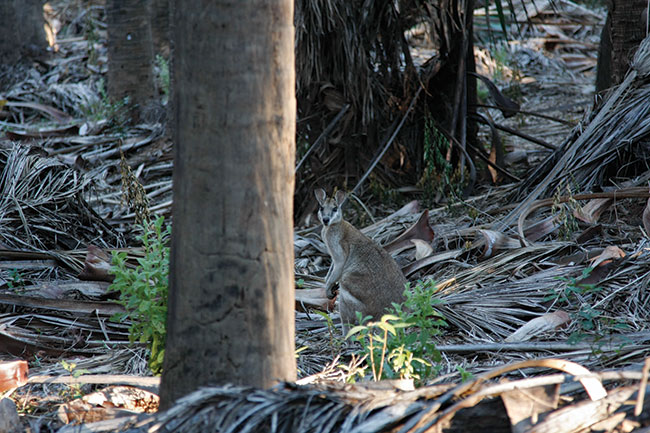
(369, 279)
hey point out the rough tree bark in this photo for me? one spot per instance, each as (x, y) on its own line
(21, 29)
(230, 316)
(130, 56)
(159, 18)
(623, 32)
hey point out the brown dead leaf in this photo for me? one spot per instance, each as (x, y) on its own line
(12, 374)
(420, 230)
(589, 233)
(53, 113)
(422, 248)
(539, 325)
(408, 208)
(590, 213)
(541, 228)
(607, 256)
(525, 406)
(434, 258)
(96, 265)
(495, 241)
(109, 403)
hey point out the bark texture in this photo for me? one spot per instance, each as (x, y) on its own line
(21, 29)
(230, 317)
(159, 13)
(623, 32)
(130, 55)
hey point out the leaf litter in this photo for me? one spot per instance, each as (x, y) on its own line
(501, 282)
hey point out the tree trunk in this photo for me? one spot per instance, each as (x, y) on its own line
(21, 29)
(159, 13)
(230, 314)
(130, 56)
(623, 32)
(451, 92)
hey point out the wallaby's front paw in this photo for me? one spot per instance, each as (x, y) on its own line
(331, 292)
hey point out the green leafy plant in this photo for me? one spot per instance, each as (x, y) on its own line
(401, 344)
(16, 281)
(586, 316)
(439, 177)
(374, 338)
(465, 375)
(335, 342)
(99, 108)
(143, 290)
(162, 75)
(74, 389)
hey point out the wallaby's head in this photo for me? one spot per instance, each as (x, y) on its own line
(330, 208)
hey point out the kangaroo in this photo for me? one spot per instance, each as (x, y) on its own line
(369, 279)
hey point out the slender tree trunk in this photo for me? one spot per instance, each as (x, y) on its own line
(230, 315)
(21, 29)
(623, 32)
(130, 56)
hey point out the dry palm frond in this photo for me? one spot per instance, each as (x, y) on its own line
(355, 47)
(615, 130)
(376, 407)
(41, 206)
(290, 408)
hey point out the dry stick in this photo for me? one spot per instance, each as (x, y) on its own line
(458, 94)
(321, 137)
(388, 143)
(641, 394)
(525, 136)
(636, 192)
(532, 113)
(463, 142)
(531, 347)
(99, 379)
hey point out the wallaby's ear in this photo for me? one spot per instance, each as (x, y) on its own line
(339, 197)
(320, 195)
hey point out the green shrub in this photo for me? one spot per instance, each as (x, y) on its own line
(143, 290)
(401, 344)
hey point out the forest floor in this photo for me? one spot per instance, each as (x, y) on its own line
(64, 154)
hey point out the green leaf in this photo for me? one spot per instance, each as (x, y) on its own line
(356, 330)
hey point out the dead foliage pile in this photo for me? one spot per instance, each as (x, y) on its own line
(569, 401)
(42, 206)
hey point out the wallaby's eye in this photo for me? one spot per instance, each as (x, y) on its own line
(335, 209)
(320, 208)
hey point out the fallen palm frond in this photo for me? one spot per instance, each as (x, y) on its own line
(41, 207)
(333, 407)
(596, 148)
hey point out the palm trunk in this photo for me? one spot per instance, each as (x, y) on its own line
(230, 315)
(130, 55)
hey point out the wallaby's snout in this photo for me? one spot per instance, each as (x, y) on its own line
(329, 211)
